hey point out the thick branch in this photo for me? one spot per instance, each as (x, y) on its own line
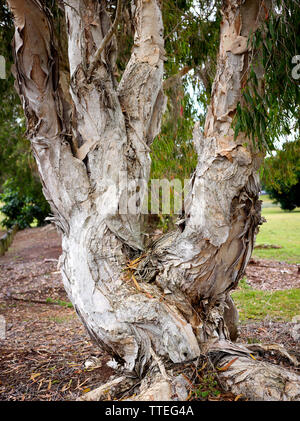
(37, 76)
(140, 89)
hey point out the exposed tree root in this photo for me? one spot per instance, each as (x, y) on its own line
(256, 380)
(274, 348)
(237, 369)
(108, 390)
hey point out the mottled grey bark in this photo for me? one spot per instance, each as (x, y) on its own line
(81, 143)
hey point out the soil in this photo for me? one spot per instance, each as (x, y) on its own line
(272, 275)
(47, 354)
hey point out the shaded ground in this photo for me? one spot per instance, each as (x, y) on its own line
(46, 348)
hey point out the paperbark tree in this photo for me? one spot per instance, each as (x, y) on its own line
(172, 302)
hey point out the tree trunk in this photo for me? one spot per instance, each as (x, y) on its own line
(173, 301)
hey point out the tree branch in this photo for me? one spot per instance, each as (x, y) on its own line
(172, 80)
(140, 89)
(105, 40)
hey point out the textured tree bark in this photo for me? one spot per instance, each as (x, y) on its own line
(83, 143)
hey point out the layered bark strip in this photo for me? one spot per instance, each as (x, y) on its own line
(172, 300)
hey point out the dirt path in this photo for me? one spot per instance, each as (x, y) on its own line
(46, 347)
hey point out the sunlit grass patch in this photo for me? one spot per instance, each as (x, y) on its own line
(61, 303)
(282, 229)
(275, 305)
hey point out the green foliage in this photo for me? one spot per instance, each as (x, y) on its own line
(191, 41)
(281, 176)
(191, 33)
(207, 387)
(270, 110)
(173, 153)
(13, 146)
(289, 199)
(20, 208)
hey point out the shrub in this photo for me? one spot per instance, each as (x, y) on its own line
(22, 208)
(289, 198)
(281, 176)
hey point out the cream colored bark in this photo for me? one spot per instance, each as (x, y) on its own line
(184, 278)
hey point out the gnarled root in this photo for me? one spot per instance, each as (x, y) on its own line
(256, 380)
(108, 390)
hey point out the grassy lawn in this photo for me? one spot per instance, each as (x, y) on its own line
(257, 305)
(281, 229)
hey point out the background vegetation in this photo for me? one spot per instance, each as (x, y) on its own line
(281, 176)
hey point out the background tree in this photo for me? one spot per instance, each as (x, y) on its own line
(19, 180)
(169, 300)
(281, 176)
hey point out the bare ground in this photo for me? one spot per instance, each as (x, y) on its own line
(272, 275)
(46, 348)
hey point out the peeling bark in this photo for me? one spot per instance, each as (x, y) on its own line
(175, 303)
(222, 213)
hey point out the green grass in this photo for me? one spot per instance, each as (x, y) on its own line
(282, 229)
(258, 305)
(267, 202)
(61, 303)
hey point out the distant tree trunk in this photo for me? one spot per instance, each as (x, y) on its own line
(173, 302)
